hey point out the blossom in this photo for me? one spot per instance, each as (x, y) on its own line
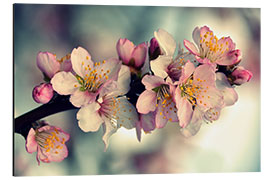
(196, 89)
(157, 98)
(131, 55)
(49, 65)
(89, 79)
(48, 142)
(210, 49)
(166, 64)
(43, 93)
(111, 111)
(240, 75)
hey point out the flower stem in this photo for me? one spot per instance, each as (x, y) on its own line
(24, 122)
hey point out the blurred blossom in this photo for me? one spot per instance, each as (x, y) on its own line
(154, 49)
(43, 93)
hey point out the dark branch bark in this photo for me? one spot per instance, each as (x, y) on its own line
(22, 124)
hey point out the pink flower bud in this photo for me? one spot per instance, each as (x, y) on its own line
(43, 93)
(241, 75)
(130, 54)
(154, 49)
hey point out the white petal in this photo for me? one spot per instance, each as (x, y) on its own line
(123, 82)
(89, 118)
(159, 65)
(81, 98)
(81, 61)
(109, 130)
(64, 83)
(165, 41)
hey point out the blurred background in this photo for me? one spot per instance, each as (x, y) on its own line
(232, 144)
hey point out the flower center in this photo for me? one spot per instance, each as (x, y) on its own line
(94, 79)
(49, 141)
(211, 48)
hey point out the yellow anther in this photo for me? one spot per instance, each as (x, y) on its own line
(160, 113)
(47, 150)
(103, 61)
(87, 57)
(56, 152)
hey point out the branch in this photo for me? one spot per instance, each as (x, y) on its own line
(58, 104)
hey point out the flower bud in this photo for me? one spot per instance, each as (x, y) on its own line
(240, 75)
(131, 55)
(154, 49)
(43, 93)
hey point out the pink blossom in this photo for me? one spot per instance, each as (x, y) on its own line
(89, 78)
(131, 55)
(196, 89)
(157, 98)
(240, 75)
(210, 49)
(43, 93)
(154, 49)
(49, 65)
(48, 142)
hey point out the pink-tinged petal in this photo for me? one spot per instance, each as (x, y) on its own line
(154, 49)
(184, 112)
(148, 121)
(196, 36)
(43, 93)
(139, 54)
(165, 41)
(109, 130)
(191, 47)
(124, 49)
(108, 69)
(229, 94)
(212, 114)
(159, 65)
(127, 115)
(81, 98)
(81, 61)
(64, 83)
(66, 66)
(241, 75)
(206, 31)
(48, 64)
(31, 144)
(146, 102)
(187, 71)
(195, 124)
(209, 98)
(161, 118)
(204, 75)
(230, 58)
(89, 118)
(41, 156)
(150, 82)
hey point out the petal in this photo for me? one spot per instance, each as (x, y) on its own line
(161, 119)
(209, 98)
(195, 124)
(187, 71)
(124, 49)
(230, 58)
(146, 102)
(139, 54)
(31, 144)
(66, 66)
(123, 82)
(196, 36)
(81, 98)
(150, 82)
(47, 63)
(89, 118)
(64, 83)
(204, 75)
(229, 94)
(148, 121)
(165, 41)
(191, 47)
(159, 65)
(127, 114)
(81, 61)
(109, 130)
(138, 130)
(184, 112)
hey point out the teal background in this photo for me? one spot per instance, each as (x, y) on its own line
(232, 144)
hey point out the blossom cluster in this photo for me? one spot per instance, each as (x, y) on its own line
(146, 86)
